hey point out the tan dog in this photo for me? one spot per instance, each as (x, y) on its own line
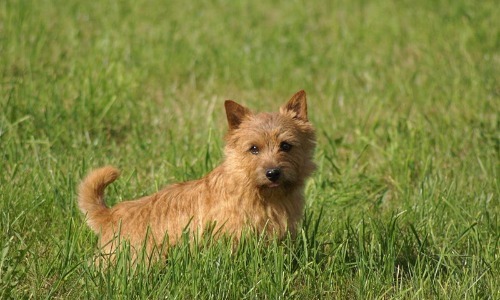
(259, 187)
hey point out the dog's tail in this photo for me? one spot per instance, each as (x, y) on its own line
(91, 196)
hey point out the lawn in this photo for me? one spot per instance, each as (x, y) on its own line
(405, 97)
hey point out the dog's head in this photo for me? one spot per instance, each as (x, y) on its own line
(272, 150)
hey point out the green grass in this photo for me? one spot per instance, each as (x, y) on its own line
(405, 96)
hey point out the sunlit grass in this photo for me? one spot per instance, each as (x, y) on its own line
(404, 96)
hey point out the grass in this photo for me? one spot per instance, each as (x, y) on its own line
(404, 96)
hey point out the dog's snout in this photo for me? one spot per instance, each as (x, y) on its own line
(273, 174)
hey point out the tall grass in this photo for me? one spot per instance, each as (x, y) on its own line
(404, 96)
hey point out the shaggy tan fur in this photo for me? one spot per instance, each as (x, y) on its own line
(258, 187)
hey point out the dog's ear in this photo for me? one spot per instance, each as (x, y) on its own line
(235, 113)
(296, 107)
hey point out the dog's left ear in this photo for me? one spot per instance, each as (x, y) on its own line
(235, 113)
(296, 106)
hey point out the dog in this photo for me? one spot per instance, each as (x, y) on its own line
(258, 188)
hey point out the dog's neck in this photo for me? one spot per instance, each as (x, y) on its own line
(276, 210)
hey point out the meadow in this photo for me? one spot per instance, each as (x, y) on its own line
(405, 97)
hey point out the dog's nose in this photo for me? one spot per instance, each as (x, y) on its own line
(273, 174)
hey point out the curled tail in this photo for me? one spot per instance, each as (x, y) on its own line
(91, 196)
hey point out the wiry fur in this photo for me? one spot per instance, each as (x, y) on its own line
(234, 197)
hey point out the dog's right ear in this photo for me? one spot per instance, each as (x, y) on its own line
(296, 107)
(235, 113)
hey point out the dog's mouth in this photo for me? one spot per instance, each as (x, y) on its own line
(270, 185)
(285, 184)
(273, 185)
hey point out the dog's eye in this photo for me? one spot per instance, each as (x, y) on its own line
(285, 147)
(254, 150)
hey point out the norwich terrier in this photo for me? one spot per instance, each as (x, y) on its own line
(259, 187)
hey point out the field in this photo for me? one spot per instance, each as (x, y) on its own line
(405, 96)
